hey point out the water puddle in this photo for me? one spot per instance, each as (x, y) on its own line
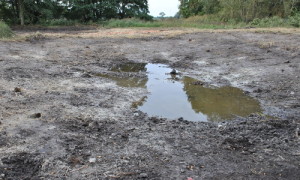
(175, 96)
(126, 81)
(129, 67)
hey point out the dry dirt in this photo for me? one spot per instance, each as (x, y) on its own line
(60, 121)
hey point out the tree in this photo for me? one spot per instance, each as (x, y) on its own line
(189, 8)
(132, 8)
(21, 11)
(240, 10)
(162, 14)
(37, 11)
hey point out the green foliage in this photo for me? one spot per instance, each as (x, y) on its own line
(274, 21)
(5, 31)
(38, 11)
(190, 8)
(241, 10)
(294, 20)
(59, 22)
(41, 11)
(203, 22)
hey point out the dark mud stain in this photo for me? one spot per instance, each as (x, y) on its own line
(174, 96)
(20, 166)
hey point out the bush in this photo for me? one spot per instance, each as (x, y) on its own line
(294, 20)
(274, 21)
(5, 31)
(59, 22)
(130, 22)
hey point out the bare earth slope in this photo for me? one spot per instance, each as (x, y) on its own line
(87, 128)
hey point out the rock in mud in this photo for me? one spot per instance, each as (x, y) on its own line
(144, 175)
(17, 89)
(36, 115)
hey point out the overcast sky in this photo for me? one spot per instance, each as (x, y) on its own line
(170, 7)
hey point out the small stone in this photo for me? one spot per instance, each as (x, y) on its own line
(86, 75)
(257, 90)
(136, 114)
(208, 50)
(180, 119)
(143, 175)
(2, 175)
(246, 92)
(286, 62)
(36, 115)
(92, 160)
(292, 93)
(17, 89)
(173, 72)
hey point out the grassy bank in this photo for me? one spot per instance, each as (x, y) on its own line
(5, 31)
(205, 22)
(201, 22)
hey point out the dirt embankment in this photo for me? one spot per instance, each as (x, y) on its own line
(87, 128)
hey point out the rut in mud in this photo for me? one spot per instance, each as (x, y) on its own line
(70, 109)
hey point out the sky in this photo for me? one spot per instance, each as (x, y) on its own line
(169, 7)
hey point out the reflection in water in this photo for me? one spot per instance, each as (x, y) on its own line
(126, 81)
(129, 67)
(221, 103)
(166, 96)
(172, 96)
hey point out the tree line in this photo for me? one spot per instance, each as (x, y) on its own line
(240, 10)
(36, 11)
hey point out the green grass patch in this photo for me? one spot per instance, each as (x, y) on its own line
(131, 22)
(59, 22)
(275, 21)
(5, 31)
(202, 22)
(205, 22)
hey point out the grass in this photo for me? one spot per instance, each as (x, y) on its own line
(200, 22)
(5, 31)
(195, 22)
(275, 21)
(205, 22)
(59, 22)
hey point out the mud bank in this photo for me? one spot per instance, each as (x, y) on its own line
(61, 120)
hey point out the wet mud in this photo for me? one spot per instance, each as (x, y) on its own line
(70, 109)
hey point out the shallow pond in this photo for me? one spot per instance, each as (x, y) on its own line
(174, 96)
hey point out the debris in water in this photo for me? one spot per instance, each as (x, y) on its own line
(173, 72)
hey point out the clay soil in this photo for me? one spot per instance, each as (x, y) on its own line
(59, 120)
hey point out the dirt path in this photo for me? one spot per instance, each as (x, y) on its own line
(59, 120)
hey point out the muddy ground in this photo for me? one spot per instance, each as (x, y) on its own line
(61, 121)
